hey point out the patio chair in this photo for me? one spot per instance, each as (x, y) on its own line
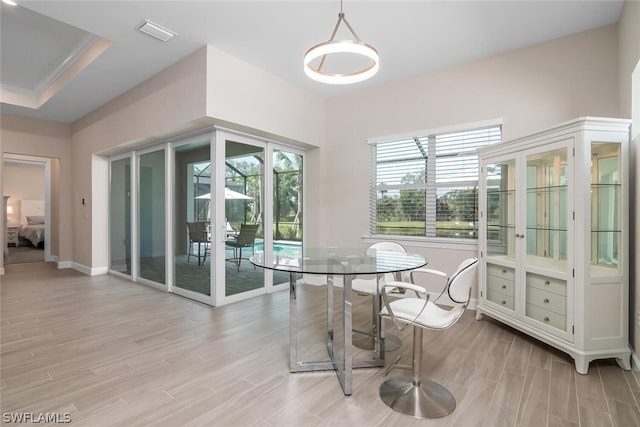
(231, 232)
(198, 235)
(245, 239)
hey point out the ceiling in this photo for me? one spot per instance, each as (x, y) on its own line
(40, 40)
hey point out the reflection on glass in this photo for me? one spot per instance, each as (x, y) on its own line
(192, 214)
(287, 207)
(120, 218)
(546, 210)
(151, 216)
(244, 204)
(605, 205)
(500, 182)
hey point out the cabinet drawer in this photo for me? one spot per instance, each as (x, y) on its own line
(499, 271)
(556, 320)
(548, 284)
(547, 300)
(502, 285)
(500, 299)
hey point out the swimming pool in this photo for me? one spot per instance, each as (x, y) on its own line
(282, 247)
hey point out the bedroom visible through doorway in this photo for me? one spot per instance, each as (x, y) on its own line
(26, 187)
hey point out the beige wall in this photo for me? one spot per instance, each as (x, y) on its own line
(206, 88)
(171, 102)
(247, 98)
(39, 138)
(629, 93)
(528, 89)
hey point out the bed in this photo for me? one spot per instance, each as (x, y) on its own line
(32, 223)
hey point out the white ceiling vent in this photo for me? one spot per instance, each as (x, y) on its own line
(156, 30)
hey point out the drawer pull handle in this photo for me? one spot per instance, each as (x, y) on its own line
(504, 302)
(504, 271)
(546, 300)
(546, 319)
(547, 283)
(504, 286)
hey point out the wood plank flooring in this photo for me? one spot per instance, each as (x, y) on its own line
(110, 352)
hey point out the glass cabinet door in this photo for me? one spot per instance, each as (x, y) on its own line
(546, 210)
(605, 208)
(546, 218)
(500, 207)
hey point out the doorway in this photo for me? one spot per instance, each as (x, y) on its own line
(27, 183)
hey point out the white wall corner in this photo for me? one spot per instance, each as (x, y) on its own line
(88, 270)
(64, 264)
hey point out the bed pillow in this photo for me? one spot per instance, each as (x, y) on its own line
(33, 220)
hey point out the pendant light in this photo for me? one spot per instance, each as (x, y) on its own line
(333, 47)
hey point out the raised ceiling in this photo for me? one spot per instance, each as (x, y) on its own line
(40, 40)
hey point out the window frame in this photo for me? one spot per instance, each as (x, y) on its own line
(430, 186)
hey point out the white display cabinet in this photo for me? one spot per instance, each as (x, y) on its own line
(553, 240)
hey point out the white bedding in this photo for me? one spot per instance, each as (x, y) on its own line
(33, 233)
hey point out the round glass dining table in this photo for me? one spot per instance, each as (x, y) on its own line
(334, 262)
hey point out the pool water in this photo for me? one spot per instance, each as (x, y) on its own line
(284, 248)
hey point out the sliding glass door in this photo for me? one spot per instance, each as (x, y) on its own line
(187, 215)
(192, 219)
(244, 183)
(151, 217)
(120, 218)
(287, 207)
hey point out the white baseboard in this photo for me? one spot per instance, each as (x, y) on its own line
(64, 264)
(89, 271)
(1, 271)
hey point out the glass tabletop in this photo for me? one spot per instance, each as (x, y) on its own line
(340, 261)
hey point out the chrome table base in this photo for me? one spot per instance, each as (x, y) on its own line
(367, 341)
(342, 362)
(427, 399)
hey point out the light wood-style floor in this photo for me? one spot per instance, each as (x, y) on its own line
(111, 352)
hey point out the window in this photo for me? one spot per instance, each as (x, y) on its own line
(427, 185)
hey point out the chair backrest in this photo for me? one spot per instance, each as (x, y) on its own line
(198, 231)
(460, 282)
(388, 246)
(391, 246)
(247, 234)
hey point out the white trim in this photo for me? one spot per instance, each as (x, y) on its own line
(169, 250)
(218, 214)
(1, 271)
(64, 264)
(435, 131)
(192, 295)
(97, 271)
(134, 181)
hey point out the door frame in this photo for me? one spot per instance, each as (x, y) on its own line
(46, 162)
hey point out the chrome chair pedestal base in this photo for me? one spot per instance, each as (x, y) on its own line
(367, 341)
(425, 400)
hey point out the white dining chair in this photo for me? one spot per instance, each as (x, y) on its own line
(414, 395)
